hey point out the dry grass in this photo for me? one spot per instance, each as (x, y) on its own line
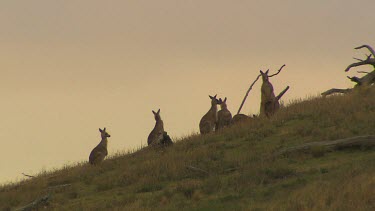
(239, 169)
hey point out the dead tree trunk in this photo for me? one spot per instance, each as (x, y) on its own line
(367, 80)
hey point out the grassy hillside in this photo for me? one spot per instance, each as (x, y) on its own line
(237, 168)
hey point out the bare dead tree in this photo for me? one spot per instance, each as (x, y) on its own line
(367, 61)
(365, 80)
(251, 87)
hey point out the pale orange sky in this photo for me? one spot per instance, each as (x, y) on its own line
(69, 67)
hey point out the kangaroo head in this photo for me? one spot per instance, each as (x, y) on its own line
(214, 101)
(264, 75)
(157, 115)
(223, 103)
(104, 133)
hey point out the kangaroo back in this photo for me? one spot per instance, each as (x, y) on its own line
(156, 135)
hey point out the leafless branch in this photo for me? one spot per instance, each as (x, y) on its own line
(368, 48)
(277, 71)
(247, 93)
(365, 72)
(197, 169)
(26, 175)
(362, 60)
(282, 93)
(355, 79)
(367, 61)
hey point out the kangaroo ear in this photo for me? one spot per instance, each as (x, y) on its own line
(261, 72)
(100, 130)
(215, 96)
(153, 112)
(267, 71)
(104, 129)
(210, 97)
(225, 100)
(158, 111)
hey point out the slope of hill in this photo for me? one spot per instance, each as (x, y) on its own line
(235, 169)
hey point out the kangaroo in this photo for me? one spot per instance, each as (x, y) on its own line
(98, 154)
(209, 120)
(242, 118)
(269, 103)
(224, 117)
(166, 141)
(156, 134)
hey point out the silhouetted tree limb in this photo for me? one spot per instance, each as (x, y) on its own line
(363, 72)
(366, 80)
(277, 71)
(368, 47)
(367, 61)
(282, 93)
(247, 93)
(26, 175)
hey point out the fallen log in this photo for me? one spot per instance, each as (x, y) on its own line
(334, 90)
(59, 186)
(35, 205)
(357, 141)
(197, 169)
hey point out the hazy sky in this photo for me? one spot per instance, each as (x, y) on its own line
(70, 67)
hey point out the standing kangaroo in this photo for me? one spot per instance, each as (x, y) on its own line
(156, 134)
(209, 120)
(269, 102)
(98, 154)
(224, 117)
